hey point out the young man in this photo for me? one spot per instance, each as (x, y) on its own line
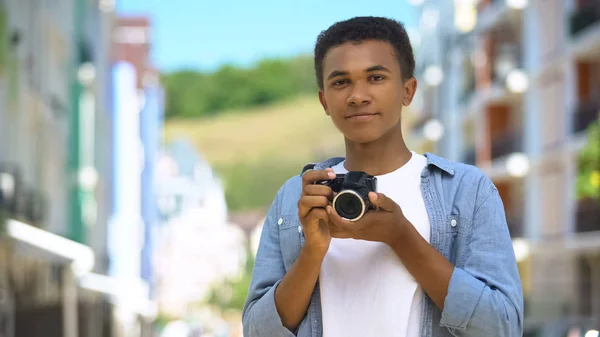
(434, 259)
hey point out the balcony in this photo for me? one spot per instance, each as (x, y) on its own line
(497, 59)
(506, 59)
(587, 217)
(505, 144)
(586, 113)
(583, 17)
(18, 200)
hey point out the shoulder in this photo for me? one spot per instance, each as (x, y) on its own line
(461, 178)
(292, 185)
(476, 182)
(469, 175)
(288, 195)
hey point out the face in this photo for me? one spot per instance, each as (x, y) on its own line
(363, 91)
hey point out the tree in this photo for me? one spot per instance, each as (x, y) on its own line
(588, 176)
(231, 293)
(192, 94)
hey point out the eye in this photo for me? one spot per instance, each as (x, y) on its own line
(377, 78)
(339, 83)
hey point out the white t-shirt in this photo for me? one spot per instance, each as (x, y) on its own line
(365, 288)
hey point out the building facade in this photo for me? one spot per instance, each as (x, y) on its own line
(53, 61)
(137, 123)
(511, 87)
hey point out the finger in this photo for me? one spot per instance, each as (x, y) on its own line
(309, 202)
(318, 190)
(317, 216)
(337, 232)
(310, 177)
(381, 201)
(338, 221)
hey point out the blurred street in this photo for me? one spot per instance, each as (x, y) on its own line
(132, 195)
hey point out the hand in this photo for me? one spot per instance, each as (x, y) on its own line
(384, 224)
(311, 210)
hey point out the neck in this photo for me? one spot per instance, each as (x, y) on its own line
(384, 155)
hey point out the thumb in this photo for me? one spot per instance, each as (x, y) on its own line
(380, 200)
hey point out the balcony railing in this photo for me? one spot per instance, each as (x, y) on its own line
(586, 114)
(505, 144)
(584, 17)
(587, 218)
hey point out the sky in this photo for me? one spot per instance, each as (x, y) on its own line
(204, 35)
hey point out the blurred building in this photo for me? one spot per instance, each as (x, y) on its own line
(196, 247)
(137, 115)
(132, 45)
(54, 121)
(511, 86)
(151, 122)
(79, 134)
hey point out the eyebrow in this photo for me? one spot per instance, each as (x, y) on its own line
(378, 67)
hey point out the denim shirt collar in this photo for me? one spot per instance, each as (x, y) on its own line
(432, 160)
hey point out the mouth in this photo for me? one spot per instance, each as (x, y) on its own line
(364, 116)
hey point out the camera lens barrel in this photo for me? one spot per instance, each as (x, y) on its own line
(350, 205)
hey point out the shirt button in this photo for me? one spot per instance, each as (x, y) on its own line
(453, 223)
(299, 229)
(280, 221)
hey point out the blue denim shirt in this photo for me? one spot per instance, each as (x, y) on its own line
(468, 226)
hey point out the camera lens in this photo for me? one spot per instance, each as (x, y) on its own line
(349, 205)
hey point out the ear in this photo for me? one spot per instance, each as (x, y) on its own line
(410, 88)
(323, 102)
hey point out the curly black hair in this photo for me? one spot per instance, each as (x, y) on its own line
(363, 28)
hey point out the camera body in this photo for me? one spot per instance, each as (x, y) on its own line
(351, 200)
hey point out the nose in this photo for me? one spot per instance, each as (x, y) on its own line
(359, 95)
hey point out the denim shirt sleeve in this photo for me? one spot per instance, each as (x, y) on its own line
(260, 317)
(485, 296)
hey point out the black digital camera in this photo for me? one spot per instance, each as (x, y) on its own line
(352, 189)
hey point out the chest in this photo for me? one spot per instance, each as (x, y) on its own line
(408, 195)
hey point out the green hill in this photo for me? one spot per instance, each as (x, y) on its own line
(256, 152)
(193, 94)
